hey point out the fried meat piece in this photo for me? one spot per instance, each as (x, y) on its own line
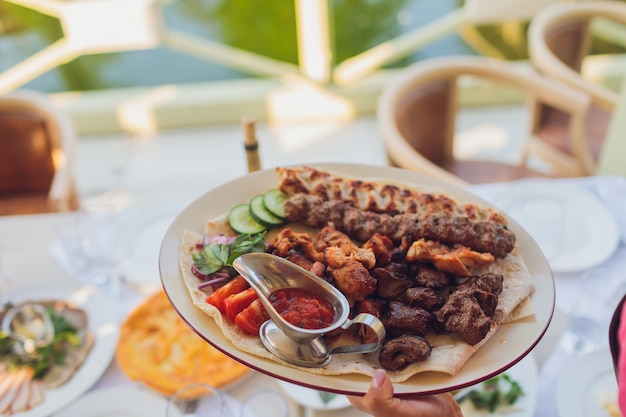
(487, 282)
(287, 241)
(398, 353)
(330, 237)
(349, 275)
(401, 319)
(470, 308)
(454, 259)
(318, 268)
(427, 276)
(463, 315)
(423, 297)
(479, 235)
(392, 280)
(382, 247)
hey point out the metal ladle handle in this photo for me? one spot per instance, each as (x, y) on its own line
(370, 321)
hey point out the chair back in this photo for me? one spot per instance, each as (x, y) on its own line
(559, 38)
(36, 150)
(417, 113)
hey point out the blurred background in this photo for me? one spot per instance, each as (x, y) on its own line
(207, 52)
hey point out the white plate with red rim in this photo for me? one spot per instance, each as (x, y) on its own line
(508, 345)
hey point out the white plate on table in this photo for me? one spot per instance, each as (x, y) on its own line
(122, 401)
(493, 357)
(587, 385)
(571, 226)
(101, 311)
(141, 232)
(130, 401)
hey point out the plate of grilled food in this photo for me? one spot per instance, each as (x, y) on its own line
(462, 290)
(37, 382)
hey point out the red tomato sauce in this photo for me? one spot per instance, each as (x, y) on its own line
(302, 308)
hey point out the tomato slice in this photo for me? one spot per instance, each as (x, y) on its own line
(235, 303)
(251, 318)
(234, 286)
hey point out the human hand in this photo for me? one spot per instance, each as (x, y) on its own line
(380, 402)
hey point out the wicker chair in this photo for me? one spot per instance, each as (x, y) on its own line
(559, 40)
(417, 115)
(36, 150)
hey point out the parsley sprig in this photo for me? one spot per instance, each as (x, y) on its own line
(219, 257)
(494, 394)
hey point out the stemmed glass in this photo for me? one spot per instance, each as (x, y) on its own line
(264, 403)
(591, 313)
(90, 243)
(203, 400)
(197, 400)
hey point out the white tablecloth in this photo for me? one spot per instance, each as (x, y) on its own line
(29, 252)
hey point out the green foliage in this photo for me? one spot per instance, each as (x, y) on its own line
(220, 257)
(497, 391)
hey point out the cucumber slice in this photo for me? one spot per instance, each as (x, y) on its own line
(261, 214)
(274, 201)
(241, 221)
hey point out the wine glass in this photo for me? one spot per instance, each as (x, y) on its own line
(589, 319)
(90, 242)
(197, 400)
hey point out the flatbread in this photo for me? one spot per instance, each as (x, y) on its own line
(449, 353)
(157, 348)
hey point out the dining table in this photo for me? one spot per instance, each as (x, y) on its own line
(33, 252)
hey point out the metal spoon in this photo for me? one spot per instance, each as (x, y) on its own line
(305, 347)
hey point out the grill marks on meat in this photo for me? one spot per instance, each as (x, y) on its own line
(470, 307)
(402, 319)
(481, 236)
(378, 197)
(415, 295)
(410, 298)
(455, 259)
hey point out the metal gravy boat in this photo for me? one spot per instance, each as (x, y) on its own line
(304, 347)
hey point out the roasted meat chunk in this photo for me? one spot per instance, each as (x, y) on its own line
(463, 315)
(423, 297)
(329, 237)
(392, 281)
(382, 247)
(287, 242)
(319, 269)
(470, 307)
(454, 259)
(398, 353)
(487, 282)
(401, 319)
(426, 276)
(349, 275)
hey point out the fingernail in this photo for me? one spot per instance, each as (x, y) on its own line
(378, 378)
